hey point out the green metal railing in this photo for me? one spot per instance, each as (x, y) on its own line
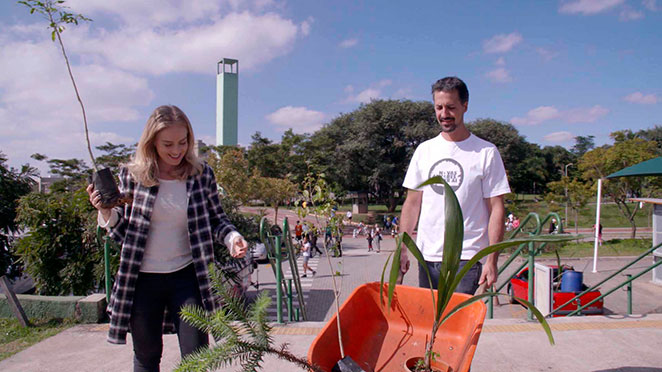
(102, 237)
(274, 245)
(531, 226)
(627, 282)
(533, 251)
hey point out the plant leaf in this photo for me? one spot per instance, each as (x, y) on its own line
(381, 281)
(527, 304)
(411, 246)
(509, 243)
(395, 270)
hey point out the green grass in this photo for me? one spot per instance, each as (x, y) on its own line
(614, 247)
(610, 216)
(14, 337)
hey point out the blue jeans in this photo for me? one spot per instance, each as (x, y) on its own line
(154, 293)
(467, 285)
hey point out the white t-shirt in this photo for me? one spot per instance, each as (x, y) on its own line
(168, 248)
(475, 171)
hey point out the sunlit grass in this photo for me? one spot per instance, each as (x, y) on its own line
(15, 338)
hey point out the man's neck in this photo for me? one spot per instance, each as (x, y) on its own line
(459, 134)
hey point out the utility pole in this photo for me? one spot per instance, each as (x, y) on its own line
(565, 173)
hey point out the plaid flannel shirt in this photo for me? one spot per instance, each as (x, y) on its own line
(206, 223)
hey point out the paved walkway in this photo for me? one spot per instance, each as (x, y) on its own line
(509, 343)
(583, 344)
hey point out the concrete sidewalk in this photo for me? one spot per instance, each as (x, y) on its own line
(597, 344)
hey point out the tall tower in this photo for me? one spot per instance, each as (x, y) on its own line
(227, 101)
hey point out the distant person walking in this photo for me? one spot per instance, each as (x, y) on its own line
(369, 237)
(298, 232)
(377, 238)
(305, 249)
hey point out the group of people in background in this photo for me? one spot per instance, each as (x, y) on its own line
(512, 222)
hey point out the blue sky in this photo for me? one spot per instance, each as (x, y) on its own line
(554, 69)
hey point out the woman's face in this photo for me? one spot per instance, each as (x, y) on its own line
(171, 145)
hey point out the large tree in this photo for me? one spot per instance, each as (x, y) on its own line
(602, 161)
(13, 185)
(370, 148)
(524, 162)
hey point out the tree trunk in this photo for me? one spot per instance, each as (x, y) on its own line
(275, 214)
(576, 218)
(392, 203)
(634, 229)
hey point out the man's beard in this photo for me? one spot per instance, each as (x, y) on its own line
(449, 127)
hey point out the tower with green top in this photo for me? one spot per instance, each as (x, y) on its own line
(227, 101)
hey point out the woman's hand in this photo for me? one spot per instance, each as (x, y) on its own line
(239, 247)
(95, 199)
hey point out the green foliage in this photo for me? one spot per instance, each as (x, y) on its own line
(15, 338)
(114, 156)
(233, 174)
(370, 148)
(578, 195)
(59, 249)
(603, 161)
(583, 144)
(13, 185)
(279, 160)
(241, 333)
(449, 276)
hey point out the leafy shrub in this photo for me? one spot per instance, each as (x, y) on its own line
(59, 249)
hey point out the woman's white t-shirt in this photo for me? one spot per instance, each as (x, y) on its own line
(475, 171)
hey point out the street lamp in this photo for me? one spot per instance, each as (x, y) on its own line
(565, 173)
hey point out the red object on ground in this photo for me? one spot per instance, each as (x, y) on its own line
(519, 287)
(382, 339)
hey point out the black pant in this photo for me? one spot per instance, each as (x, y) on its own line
(468, 284)
(154, 293)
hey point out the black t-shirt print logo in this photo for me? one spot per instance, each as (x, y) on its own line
(451, 171)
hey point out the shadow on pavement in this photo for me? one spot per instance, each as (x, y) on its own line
(631, 369)
(318, 304)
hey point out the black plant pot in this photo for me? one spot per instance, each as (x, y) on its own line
(105, 182)
(347, 364)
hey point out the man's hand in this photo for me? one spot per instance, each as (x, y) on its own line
(404, 265)
(239, 247)
(489, 274)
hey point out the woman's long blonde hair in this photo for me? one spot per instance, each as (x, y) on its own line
(144, 165)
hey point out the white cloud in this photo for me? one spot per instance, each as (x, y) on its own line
(628, 14)
(537, 116)
(38, 107)
(584, 115)
(575, 115)
(112, 59)
(348, 43)
(252, 39)
(499, 75)
(366, 95)
(650, 5)
(300, 119)
(502, 43)
(161, 12)
(547, 54)
(500, 62)
(562, 136)
(587, 7)
(305, 26)
(640, 98)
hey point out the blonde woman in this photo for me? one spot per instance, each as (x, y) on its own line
(167, 234)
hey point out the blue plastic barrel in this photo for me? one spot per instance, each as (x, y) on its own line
(572, 281)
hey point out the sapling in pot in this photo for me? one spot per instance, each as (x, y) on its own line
(57, 16)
